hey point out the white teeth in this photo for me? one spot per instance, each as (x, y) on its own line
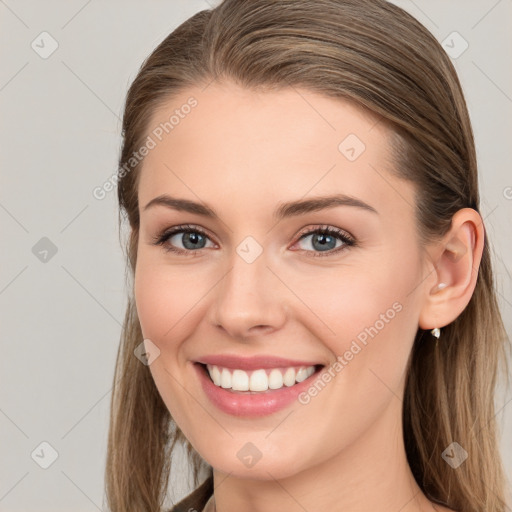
(275, 379)
(215, 375)
(289, 377)
(257, 380)
(225, 378)
(302, 374)
(239, 381)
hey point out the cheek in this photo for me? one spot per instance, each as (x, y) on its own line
(367, 314)
(165, 307)
(163, 298)
(347, 300)
(171, 304)
(150, 293)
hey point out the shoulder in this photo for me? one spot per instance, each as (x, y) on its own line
(197, 499)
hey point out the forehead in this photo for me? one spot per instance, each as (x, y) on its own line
(272, 145)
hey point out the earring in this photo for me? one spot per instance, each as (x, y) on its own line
(436, 333)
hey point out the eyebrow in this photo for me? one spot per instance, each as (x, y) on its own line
(284, 210)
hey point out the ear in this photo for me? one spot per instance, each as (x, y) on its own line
(453, 269)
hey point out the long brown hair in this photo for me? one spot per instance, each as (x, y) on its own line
(376, 55)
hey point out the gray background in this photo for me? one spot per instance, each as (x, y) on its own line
(60, 138)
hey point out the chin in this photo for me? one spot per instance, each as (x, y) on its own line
(264, 469)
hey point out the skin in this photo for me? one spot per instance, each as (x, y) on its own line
(243, 153)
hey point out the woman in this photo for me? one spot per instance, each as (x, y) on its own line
(313, 312)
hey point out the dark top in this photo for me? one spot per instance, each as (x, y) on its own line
(197, 499)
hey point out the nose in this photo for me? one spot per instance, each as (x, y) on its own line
(249, 301)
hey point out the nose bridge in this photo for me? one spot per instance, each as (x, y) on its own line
(246, 298)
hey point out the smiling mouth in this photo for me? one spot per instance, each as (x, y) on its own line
(260, 381)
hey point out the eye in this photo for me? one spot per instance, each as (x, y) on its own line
(191, 237)
(323, 241)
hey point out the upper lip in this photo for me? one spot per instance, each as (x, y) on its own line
(252, 363)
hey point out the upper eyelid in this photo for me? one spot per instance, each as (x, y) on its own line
(183, 228)
(319, 227)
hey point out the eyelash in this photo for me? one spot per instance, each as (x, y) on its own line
(348, 241)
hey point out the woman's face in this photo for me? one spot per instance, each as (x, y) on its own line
(255, 279)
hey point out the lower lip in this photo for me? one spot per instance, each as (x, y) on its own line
(242, 403)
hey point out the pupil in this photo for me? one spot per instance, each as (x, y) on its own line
(192, 238)
(324, 239)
